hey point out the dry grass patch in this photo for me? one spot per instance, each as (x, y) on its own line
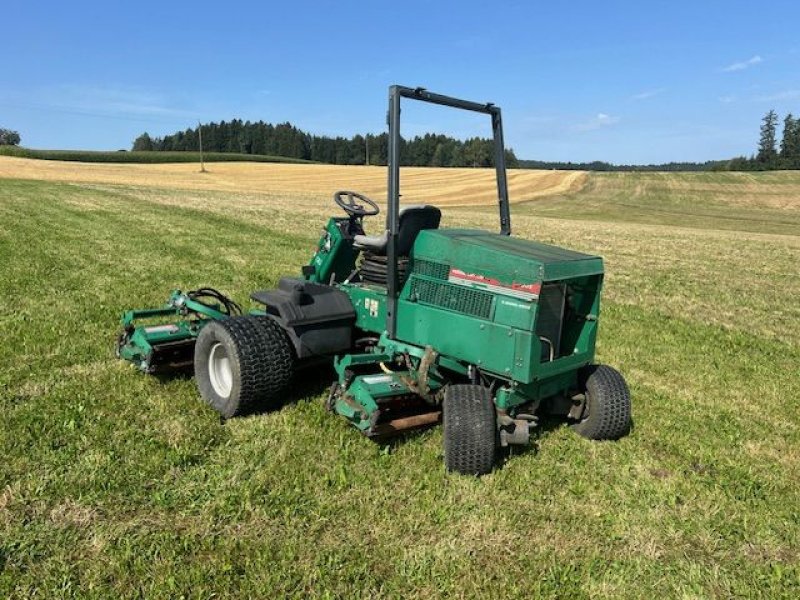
(420, 184)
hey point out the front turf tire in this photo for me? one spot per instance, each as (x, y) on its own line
(241, 362)
(470, 430)
(607, 412)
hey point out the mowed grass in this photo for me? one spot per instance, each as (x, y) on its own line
(113, 484)
(441, 186)
(756, 202)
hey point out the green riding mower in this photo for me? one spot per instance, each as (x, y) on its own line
(481, 331)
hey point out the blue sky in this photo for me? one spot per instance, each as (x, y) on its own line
(628, 82)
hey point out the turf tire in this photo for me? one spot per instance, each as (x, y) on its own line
(607, 414)
(261, 362)
(470, 431)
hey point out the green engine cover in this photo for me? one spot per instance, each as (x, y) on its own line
(507, 259)
(490, 299)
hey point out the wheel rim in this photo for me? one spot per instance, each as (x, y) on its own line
(219, 370)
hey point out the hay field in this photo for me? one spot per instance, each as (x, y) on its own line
(113, 484)
(756, 202)
(419, 184)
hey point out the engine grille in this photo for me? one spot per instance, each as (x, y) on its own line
(429, 268)
(453, 297)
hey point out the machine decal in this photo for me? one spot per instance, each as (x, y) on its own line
(373, 379)
(371, 306)
(524, 291)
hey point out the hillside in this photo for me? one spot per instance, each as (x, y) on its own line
(755, 201)
(419, 184)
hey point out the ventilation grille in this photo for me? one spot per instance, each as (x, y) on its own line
(428, 268)
(453, 297)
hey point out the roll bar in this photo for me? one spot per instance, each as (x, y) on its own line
(396, 92)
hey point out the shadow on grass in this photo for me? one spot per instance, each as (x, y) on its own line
(182, 374)
(547, 424)
(309, 381)
(314, 380)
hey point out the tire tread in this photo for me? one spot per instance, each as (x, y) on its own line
(265, 358)
(470, 433)
(609, 404)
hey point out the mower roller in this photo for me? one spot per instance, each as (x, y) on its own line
(481, 331)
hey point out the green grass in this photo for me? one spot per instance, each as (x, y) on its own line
(114, 484)
(754, 202)
(94, 156)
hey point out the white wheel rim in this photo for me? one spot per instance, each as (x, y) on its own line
(219, 370)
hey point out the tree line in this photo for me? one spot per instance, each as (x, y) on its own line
(9, 137)
(286, 140)
(599, 165)
(771, 154)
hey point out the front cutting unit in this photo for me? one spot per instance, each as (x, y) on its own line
(481, 331)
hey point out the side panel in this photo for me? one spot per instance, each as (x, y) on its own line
(335, 256)
(483, 343)
(370, 306)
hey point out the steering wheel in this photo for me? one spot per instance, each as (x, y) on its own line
(353, 208)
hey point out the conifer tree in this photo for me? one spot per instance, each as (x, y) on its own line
(767, 153)
(790, 144)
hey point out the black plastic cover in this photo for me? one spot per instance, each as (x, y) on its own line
(318, 318)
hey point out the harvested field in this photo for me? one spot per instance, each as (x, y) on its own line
(432, 185)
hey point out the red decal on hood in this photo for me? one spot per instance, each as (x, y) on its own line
(527, 288)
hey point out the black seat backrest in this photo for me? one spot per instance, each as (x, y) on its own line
(414, 219)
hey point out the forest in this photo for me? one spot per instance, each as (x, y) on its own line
(284, 139)
(437, 150)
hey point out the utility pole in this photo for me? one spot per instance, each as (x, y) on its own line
(367, 138)
(200, 135)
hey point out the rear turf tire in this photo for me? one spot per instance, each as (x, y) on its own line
(241, 362)
(470, 432)
(607, 413)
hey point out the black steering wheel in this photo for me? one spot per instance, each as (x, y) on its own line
(353, 208)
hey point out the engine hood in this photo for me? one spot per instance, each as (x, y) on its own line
(509, 260)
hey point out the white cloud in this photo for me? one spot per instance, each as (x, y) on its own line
(745, 64)
(778, 96)
(648, 94)
(727, 99)
(537, 119)
(598, 122)
(114, 101)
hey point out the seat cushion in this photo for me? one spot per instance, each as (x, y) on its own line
(373, 243)
(412, 220)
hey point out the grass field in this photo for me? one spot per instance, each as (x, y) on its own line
(115, 485)
(754, 202)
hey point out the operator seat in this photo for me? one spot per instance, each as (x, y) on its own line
(413, 219)
(374, 264)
